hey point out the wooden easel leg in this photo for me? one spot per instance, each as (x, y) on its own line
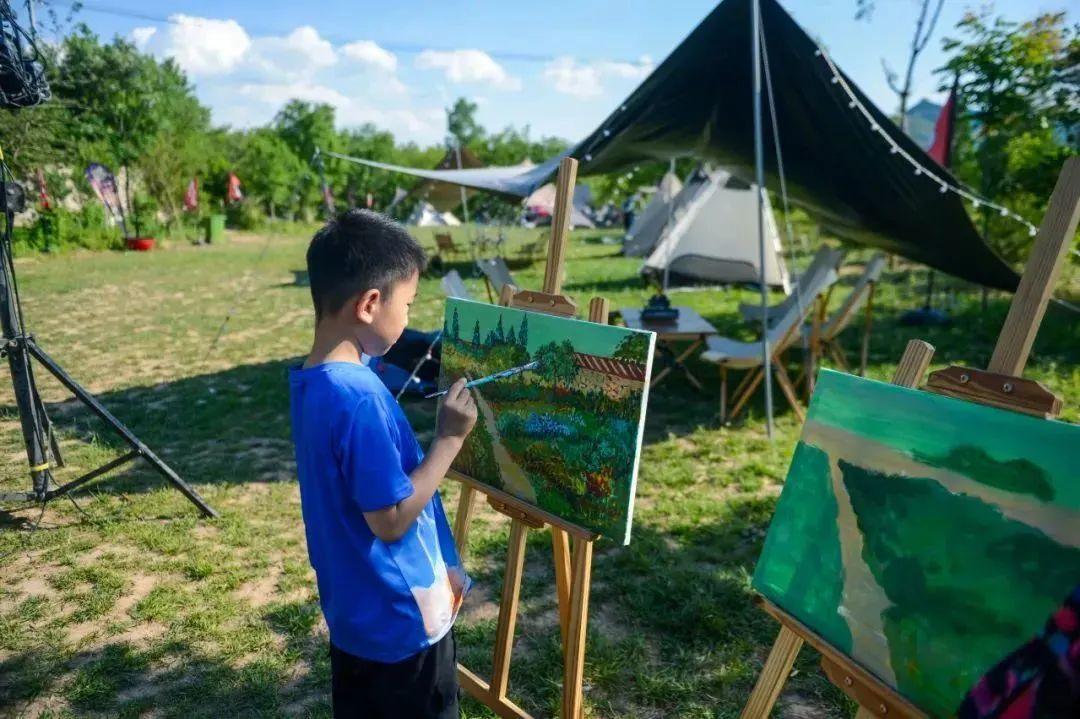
(508, 610)
(560, 546)
(462, 519)
(773, 675)
(784, 380)
(838, 356)
(755, 376)
(574, 658)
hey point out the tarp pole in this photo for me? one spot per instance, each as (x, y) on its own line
(464, 200)
(759, 167)
(667, 227)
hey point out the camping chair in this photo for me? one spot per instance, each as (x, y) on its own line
(732, 354)
(496, 275)
(444, 242)
(826, 259)
(825, 338)
(454, 286)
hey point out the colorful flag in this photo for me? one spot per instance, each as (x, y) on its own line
(191, 196)
(103, 184)
(941, 149)
(234, 194)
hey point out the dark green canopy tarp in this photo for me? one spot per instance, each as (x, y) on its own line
(699, 103)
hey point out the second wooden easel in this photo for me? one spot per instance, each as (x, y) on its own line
(1000, 385)
(572, 568)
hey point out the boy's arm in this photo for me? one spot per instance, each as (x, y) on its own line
(456, 419)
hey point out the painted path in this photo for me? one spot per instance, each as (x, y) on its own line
(515, 481)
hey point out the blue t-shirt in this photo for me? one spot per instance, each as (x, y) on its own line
(354, 452)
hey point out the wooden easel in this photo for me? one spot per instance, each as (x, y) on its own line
(1000, 385)
(572, 569)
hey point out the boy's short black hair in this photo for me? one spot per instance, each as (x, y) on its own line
(359, 250)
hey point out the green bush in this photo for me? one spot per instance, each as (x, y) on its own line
(58, 229)
(244, 216)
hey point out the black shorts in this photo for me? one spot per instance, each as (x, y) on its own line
(424, 686)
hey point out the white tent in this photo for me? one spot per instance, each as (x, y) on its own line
(715, 239)
(450, 219)
(425, 215)
(542, 203)
(647, 227)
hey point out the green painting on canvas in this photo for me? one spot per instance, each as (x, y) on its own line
(924, 537)
(566, 436)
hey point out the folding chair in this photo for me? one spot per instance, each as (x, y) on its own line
(826, 340)
(444, 242)
(496, 275)
(826, 259)
(733, 354)
(454, 286)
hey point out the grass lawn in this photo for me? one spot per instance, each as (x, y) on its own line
(135, 607)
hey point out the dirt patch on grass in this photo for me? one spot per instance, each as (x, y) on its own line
(262, 591)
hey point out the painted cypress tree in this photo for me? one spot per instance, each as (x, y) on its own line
(476, 333)
(500, 334)
(523, 334)
(455, 327)
(510, 338)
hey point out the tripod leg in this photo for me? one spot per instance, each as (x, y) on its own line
(99, 409)
(46, 423)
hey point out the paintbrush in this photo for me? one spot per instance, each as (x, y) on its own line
(492, 377)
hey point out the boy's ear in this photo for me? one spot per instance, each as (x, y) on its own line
(366, 305)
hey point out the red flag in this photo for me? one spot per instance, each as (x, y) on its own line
(234, 194)
(191, 197)
(941, 149)
(43, 191)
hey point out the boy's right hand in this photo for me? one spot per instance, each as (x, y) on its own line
(457, 416)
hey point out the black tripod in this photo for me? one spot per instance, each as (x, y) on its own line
(19, 346)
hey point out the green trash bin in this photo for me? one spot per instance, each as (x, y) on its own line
(215, 228)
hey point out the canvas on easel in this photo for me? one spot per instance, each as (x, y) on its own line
(565, 436)
(923, 535)
(572, 544)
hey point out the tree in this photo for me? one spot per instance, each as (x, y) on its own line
(128, 110)
(455, 327)
(510, 338)
(500, 333)
(923, 31)
(461, 126)
(633, 348)
(523, 333)
(557, 363)
(269, 169)
(1017, 114)
(476, 333)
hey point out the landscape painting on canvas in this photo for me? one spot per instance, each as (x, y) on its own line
(565, 436)
(923, 536)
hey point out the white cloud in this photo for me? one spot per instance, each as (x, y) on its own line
(468, 66)
(280, 93)
(203, 46)
(141, 36)
(298, 54)
(367, 52)
(586, 80)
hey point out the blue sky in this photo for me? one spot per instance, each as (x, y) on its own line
(558, 66)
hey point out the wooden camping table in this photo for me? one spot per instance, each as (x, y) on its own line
(688, 326)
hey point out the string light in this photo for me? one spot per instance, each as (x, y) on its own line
(943, 183)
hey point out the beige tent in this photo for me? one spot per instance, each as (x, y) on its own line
(647, 227)
(715, 239)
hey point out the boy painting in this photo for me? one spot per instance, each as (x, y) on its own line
(390, 582)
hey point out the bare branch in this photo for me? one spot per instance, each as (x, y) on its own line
(890, 77)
